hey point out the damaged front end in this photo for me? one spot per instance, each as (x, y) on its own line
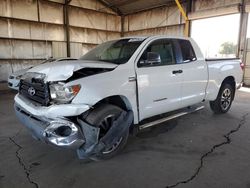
(63, 133)
(46, 104)
(77, 135)
(58, 132)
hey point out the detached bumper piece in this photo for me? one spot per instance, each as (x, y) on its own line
(93, 145)
(58, 132)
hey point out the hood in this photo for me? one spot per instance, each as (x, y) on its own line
(62, 70)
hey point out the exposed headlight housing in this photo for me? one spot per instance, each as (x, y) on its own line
(63, 94)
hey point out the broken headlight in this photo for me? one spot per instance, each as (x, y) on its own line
(63, 94)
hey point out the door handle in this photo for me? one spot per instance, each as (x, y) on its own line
(131, 79)
(177, 71)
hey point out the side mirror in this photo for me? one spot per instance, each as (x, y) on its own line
(153, 58)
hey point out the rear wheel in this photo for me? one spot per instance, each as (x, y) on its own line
(103, 117)
(224, 99)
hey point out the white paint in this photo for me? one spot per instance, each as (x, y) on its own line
(59, 71)
(52, 111)
(154, 83)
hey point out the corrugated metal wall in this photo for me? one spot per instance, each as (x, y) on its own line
(32, 30)
(164, 20)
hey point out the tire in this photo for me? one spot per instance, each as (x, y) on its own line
(224, 99)
(100, 117)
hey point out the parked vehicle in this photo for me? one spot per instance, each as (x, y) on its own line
(14, 78)
(91, 104)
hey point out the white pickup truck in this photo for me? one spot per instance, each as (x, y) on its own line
(92, 103)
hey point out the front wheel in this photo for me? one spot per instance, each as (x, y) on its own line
(224, 99)
(103, 117)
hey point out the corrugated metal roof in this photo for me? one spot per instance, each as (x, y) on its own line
(124, 7)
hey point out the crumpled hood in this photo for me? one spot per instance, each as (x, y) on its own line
(62, 70)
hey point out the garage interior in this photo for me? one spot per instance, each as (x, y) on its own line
(197, 150)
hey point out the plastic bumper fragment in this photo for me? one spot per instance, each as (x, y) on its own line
(93, 145)
(58, 132)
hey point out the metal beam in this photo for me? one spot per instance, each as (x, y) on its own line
(183, 13)
(152, 28)
(188, 10)
(122, 26)
(66, 25)
(38, 10)
(242, 31)
(159, 5)
(112, 7)
(122, 3)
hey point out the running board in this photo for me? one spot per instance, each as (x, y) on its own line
(187, 111)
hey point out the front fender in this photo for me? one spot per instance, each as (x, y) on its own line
(114, 83)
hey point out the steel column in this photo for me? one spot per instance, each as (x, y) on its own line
(242, 31)
(183, 13)
(66, 25)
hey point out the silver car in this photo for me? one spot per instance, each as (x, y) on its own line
(14, 78)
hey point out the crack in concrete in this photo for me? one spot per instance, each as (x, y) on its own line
(26, 170)
(227, 141)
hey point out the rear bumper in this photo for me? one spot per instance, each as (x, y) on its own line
(58, 132)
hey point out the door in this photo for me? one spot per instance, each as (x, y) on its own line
(159, 83)
(195, 75)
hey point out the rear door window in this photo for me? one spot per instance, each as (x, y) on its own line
(187, 51)
(164, 48)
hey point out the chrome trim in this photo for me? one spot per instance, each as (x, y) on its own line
(153, 123)
(74, 140)
(50, 130)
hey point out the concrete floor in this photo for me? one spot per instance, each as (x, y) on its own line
(197, 150)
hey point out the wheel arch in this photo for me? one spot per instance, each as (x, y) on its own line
(120, 101)
(216, 105)
(117, 100)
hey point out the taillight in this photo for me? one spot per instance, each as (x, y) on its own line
(242, 66)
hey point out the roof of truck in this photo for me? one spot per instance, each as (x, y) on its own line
(155, 36)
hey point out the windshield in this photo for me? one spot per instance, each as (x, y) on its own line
(118, 51)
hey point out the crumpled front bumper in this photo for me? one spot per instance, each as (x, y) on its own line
(74, 134)
(52, 111)
(58, 132)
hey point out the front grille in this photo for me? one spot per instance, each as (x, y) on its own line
(40, 92)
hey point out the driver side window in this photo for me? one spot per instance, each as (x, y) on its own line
(164, 48)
